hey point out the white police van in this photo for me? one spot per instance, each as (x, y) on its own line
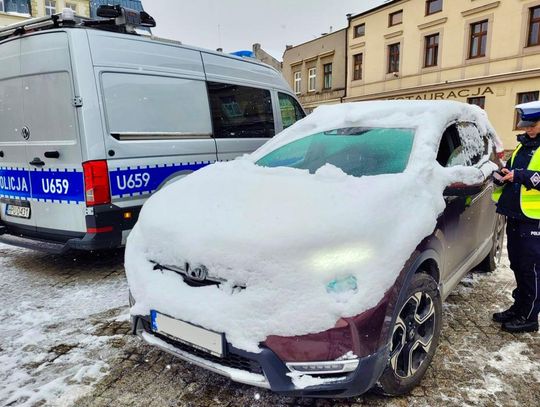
(94, 118)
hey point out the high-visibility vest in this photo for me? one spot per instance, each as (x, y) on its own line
(529, 198)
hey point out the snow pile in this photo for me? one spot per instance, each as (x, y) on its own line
(285, 234)
(48, 352)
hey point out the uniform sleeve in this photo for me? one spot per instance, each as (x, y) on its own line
(527, 178)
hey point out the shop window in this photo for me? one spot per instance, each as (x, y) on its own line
(534, 27)
(395, 18)
(433, 6)
(431, 52)
(312, 79)
(393, 58)
(478, 40)
(478, 101)
(525, 97)
(359, 30)
(357, 66)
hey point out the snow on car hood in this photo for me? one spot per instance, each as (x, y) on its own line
(284, 234)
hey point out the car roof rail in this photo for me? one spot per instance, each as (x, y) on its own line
(113, 18)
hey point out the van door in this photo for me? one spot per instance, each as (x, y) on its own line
(14, 168)
(53, 147)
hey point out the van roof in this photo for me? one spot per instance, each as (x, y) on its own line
(59, 20)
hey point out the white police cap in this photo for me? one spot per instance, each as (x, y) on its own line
(529, 113)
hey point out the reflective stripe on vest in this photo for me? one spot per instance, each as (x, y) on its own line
(529, 198)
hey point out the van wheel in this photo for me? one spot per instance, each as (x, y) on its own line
(415, 337)
(491, 261)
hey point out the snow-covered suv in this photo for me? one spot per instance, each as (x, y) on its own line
(317, 265)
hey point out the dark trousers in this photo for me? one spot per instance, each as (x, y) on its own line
(524, 255)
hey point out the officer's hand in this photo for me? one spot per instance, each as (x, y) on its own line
(509, 175)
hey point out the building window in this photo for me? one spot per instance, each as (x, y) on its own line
(479, 33)
(395, 18)
(431, 53)
(2, 5)
(298, 82)
(393, 58)
(534, 27)
(327, 76)
(50, 7)
(359, 30)
(357, 66)
(525, 97)
(312, 79)
(433, 6)
(15, 6)
(478, 101)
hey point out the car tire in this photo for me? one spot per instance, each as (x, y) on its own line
(491, 261)
(414, 337)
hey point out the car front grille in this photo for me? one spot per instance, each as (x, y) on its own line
(230, 359)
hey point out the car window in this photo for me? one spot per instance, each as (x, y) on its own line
(290, 109)
(357, 151)
(240, 111)
(471, 148)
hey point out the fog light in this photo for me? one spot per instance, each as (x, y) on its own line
(321, 368)
(128, 215)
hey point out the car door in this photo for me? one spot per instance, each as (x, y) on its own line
(462, 145)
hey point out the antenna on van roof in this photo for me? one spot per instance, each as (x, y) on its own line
(117, 19)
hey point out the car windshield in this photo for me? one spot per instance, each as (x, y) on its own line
(357, 151)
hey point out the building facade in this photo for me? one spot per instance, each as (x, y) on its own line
(477, 51)
(132, 4)
(42, 8)
(13, 11)
(316, 70)
(263, 56)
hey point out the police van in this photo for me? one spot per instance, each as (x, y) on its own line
(94, 118)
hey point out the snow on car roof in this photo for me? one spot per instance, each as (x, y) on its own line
(288, 235)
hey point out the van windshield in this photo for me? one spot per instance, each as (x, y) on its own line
(357, 151)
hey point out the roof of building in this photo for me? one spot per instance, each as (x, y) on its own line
(384, 3)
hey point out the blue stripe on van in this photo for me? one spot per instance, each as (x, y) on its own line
(145, 180)
(50, 185)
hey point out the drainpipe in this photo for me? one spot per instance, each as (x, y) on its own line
(349, 15)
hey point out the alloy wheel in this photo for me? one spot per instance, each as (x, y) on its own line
(413, 334)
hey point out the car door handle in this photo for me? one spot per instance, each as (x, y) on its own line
(37, 162)
(52, 154)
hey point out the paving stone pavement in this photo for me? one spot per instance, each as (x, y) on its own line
(475, 365)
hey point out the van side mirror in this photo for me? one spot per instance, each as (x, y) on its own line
(460, 189)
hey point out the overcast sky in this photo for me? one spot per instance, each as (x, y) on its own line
(237, 24)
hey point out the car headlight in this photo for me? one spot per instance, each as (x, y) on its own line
(341, 285)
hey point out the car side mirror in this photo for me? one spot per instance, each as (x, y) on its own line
(460, 189)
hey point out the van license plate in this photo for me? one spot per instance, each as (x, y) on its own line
(199, 338)
(18, 211)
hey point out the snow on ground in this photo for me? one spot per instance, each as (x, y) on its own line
(48, 347)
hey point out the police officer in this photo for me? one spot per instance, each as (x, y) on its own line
(519, 200)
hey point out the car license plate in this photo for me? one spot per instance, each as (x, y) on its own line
(18, 211)
(188, 334)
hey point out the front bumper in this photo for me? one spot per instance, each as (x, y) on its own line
(265, 369)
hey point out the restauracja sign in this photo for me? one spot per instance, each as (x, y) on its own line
(453, 94)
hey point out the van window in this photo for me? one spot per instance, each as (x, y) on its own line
(291, 111)
(240, 111)
(146, 106)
